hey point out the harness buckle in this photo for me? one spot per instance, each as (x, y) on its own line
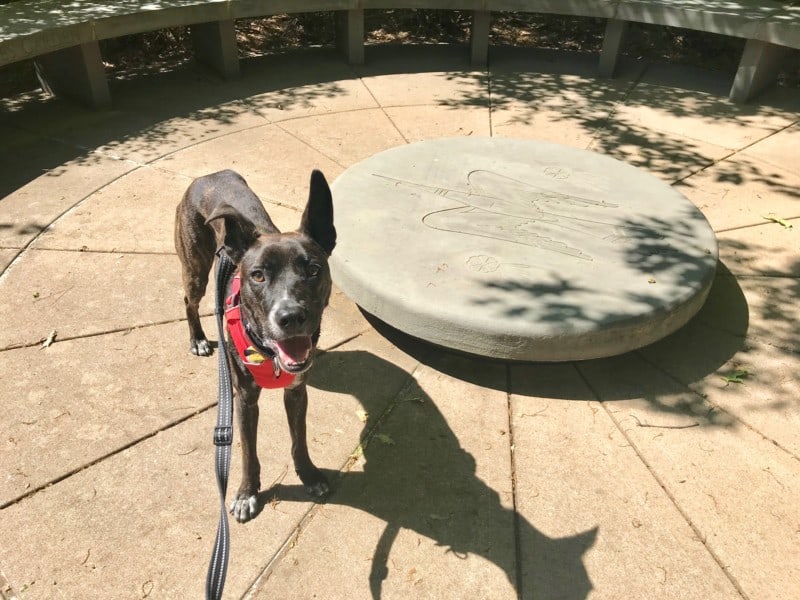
(276, 366)
(223, 436)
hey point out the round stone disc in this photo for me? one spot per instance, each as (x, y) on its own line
(519, 249)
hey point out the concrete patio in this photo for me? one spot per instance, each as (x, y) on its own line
(669, 472)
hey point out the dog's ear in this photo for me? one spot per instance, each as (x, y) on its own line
(317, 221)
(240, 233)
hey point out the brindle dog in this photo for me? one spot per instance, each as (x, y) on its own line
(285, 285)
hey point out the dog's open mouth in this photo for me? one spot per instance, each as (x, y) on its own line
(294, 353)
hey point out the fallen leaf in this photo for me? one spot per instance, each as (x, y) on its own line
(737, 376)
(782, 222)
(49, 340)
(385, 439)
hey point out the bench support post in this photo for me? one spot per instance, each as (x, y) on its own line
(214, 46)
(479, 37)
(350, 35)
(758, 68)
(76, 72)
(612, 45)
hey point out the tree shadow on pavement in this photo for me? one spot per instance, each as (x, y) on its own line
(424, 481)
(714, 335)
(159, 107)
(640, 116)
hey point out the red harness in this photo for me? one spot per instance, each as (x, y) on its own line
(264, 369)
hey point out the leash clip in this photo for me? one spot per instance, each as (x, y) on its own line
(223, 436)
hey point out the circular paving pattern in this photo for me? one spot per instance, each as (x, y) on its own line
(521, 250)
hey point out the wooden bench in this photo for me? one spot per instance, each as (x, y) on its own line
(63, 38)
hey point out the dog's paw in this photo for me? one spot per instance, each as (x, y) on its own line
(315, 482)
(243, 508)
(200, 347)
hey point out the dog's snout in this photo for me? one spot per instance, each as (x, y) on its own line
(290, 316)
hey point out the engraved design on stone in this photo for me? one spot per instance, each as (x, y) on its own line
(499, 207)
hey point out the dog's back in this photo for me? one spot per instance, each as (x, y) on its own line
(223, 188)
(197, 238)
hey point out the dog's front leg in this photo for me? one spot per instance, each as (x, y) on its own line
(295, 400)
(245, 504)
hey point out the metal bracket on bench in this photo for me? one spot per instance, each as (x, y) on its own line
(76, 72)
(758, 68)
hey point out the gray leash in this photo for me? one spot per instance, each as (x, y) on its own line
(223, 436)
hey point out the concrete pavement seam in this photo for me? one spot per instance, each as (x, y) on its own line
(111, 453)
(112, 251)
(698, 534)
(294, 537)
(735, 152)
(513, 465)
(98, 333)
(488, 74)
(55, 220)
(622, 101)
(132, 443)
(718, 408)
(383, 110)
(307, 144)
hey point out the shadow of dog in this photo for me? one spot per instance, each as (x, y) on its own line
(426, 482)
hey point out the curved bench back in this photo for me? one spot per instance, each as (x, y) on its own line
(64, 37)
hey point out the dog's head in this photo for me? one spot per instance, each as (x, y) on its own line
(285, 278)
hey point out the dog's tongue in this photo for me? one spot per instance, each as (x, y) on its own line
(294, 351)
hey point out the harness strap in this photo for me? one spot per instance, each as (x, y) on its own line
(223, 436)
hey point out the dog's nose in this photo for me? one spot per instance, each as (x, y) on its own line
(290, 316)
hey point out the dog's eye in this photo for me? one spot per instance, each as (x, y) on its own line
(313, 269)
(258, 276)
